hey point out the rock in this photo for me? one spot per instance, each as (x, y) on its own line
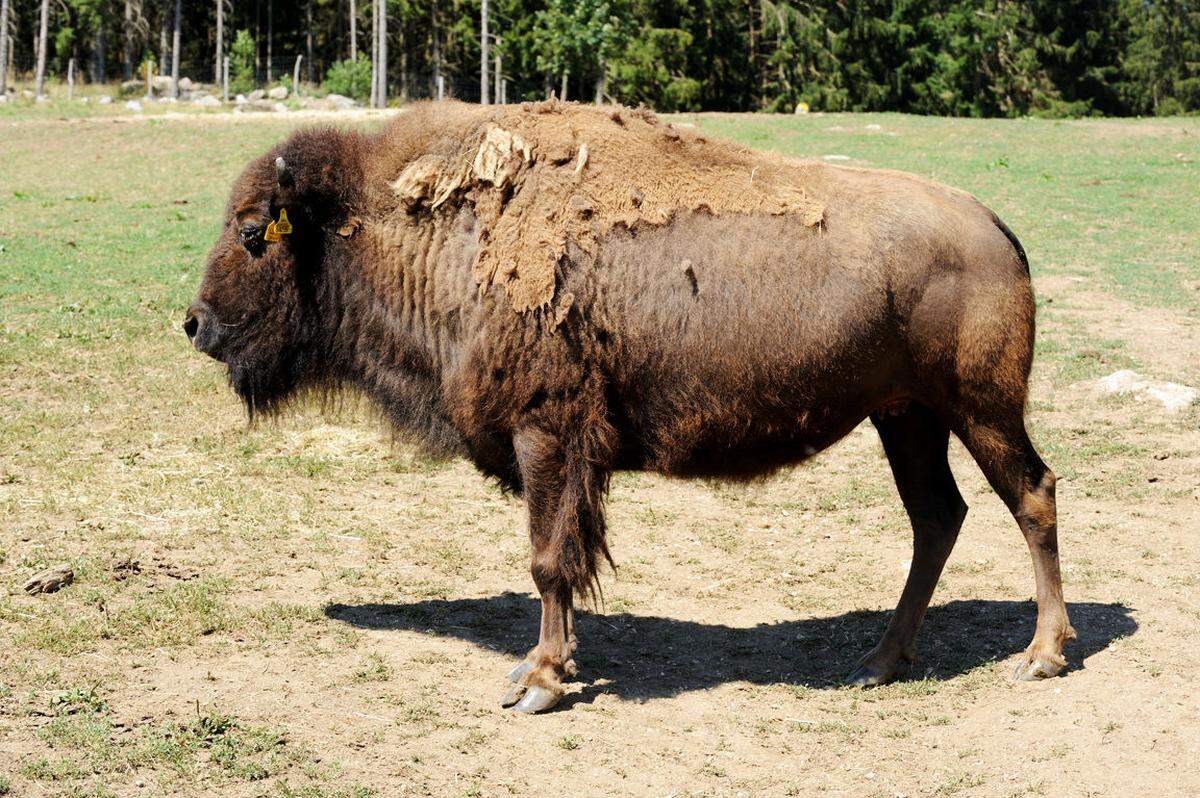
(27, 94)
(161, 82)
(50, 580)
(133, 87)
(240, 99)
(257, 94)
(339, 102)
(3, 98)
(134, 105)
(1171, 395)
(207, 101)
(279, 108)
(186, 84)
(278, 93)
(104, 100)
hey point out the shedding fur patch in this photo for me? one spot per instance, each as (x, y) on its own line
(544, 175)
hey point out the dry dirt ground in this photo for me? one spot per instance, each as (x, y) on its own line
(303, 609)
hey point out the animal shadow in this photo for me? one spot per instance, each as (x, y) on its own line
(640, 657)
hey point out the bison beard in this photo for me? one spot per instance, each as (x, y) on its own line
(558, 292)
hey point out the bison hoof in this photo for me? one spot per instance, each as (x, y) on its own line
(1033, 668)
(869, 676)
(530, 699)
(518, 673)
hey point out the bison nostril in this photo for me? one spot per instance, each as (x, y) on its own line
(191, 326)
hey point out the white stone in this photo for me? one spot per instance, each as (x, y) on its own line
(1171, 395)
(104, 99)
(339, 102)
(207, 101)
(134, 105)
(278, 93)
(279, 108)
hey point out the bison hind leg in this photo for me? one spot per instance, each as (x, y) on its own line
(915, 440)
(1004, 453)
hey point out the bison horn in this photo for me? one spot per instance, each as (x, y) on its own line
(283, 173)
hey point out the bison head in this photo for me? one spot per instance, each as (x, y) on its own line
(258, 310)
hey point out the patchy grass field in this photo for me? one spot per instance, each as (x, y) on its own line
(300, 609)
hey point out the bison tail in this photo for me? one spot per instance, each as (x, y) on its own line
(1012, 238)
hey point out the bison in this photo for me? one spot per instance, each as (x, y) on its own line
(558, 292)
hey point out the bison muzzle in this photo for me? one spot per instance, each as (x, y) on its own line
(558, 292)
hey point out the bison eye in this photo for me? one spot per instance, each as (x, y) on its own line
(251, 234)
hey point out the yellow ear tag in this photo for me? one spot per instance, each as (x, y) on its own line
(272, 233)
(283, 226)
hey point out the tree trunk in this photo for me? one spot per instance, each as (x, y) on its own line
(403, 66)
(164, 52)
(220, 52)
(496, 96)
(600, 85)
(308, 42)
(562, 94)
(40, 80)
(128, 32)
(353, 30)
(437, 51)
(101, 55)
(270, 37)
(383, 54)
(374, 53)
(175, 52)
(3, 48)
(483, 53)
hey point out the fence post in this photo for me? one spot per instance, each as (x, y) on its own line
(296, 76)
(71, 79)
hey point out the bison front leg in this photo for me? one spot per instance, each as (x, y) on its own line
(564, 495)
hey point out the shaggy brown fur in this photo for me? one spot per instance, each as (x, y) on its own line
(558, 292)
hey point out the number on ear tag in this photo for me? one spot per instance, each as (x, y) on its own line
(283, 226)
(272, 233)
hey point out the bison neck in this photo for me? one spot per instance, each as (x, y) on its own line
(397, 320)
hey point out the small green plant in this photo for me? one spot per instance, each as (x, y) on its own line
(349, 78)
(79, 699)
(374, 669)
(241, 64)
(571, 742)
